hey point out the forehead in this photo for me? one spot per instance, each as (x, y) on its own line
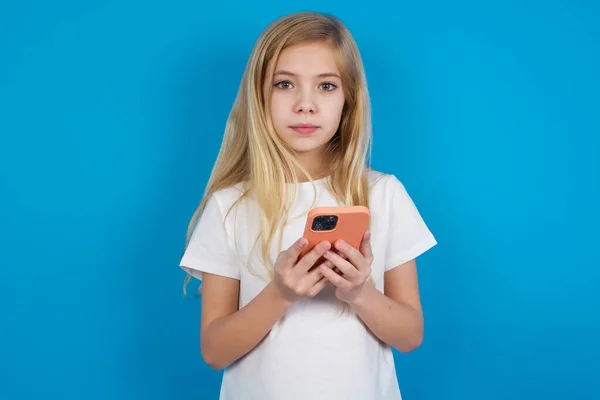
(308, 59)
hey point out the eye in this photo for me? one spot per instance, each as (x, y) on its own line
(284, 85)
(328, 86)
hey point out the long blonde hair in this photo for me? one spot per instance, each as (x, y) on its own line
(253, 154)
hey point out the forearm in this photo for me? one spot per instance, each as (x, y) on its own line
(394, 323)
(229, 338)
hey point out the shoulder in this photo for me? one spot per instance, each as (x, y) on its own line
(387, 192)
(219, 205)
(382, 183)
(227, 197)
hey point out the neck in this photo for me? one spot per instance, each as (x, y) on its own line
(314, 163)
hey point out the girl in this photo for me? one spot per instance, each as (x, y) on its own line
(298, 137)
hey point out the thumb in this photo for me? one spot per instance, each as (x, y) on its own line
(365, 245)
(293, 252)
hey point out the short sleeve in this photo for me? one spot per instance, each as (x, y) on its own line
(409, 236)
(209, 249)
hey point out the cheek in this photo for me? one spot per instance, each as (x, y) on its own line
(279, 109)
(336, 106)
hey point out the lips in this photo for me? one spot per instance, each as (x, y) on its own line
(304, 129)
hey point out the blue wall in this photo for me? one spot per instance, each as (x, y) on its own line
(111, 115)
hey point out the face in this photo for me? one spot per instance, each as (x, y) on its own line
(307, 97)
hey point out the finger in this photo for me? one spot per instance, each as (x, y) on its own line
(334, 278)
(344, 266)
(365, 245)
(293, 252)
(311, 278)
(333, 267)
(309, 260)
(352, 255)
(316, 289)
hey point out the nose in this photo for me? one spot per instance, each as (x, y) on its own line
(306, 104)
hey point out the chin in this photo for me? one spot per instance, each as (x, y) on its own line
(303, 148)
(308, 144)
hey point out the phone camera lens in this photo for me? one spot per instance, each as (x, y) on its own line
(324, 222)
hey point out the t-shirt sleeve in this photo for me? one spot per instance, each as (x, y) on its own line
(209, 248)
(409, 236)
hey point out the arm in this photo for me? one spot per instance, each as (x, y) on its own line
(227, 334)
(394, 316)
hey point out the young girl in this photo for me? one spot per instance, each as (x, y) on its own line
(298, 137)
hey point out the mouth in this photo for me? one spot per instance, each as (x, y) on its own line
(304, 129)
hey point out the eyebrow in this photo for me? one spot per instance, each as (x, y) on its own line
(324, 75)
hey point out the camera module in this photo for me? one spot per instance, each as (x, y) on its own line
(324, 223)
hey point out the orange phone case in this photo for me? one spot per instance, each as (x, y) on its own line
(352, 222)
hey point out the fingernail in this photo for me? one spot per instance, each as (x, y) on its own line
(301, 243)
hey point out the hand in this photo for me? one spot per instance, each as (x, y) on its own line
(294, 278)
(354, 269)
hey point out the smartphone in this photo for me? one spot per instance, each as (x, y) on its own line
(347, 223)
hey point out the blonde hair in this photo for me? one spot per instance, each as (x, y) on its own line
(253, 154)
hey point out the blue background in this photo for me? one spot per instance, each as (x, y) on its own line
(112, 113)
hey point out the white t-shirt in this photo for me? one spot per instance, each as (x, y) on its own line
(315, 351)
